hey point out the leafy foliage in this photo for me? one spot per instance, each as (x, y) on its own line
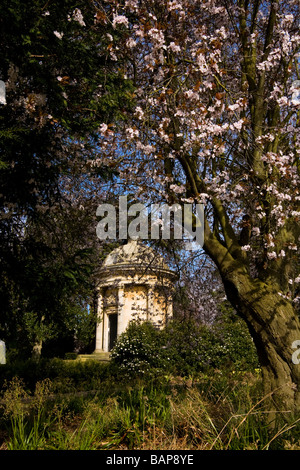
(60, 85)
(138, 349)
(184, 347)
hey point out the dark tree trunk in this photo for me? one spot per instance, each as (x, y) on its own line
(274, 326)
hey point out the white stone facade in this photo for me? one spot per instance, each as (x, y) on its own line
(2, 352)
(134, 284)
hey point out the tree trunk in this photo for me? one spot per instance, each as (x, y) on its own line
(272, 321)
(274, 327)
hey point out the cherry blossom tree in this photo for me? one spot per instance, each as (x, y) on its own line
(216, 121)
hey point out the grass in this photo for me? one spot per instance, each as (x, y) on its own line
(212, 412)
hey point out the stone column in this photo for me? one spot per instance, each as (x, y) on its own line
(2, 352)
(169, 315)
(100, 323)
(150, 303)
(121, 314)
(105, 331)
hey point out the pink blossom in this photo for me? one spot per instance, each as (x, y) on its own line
(255, 231)
(77, 16)
(139, 112)
(58, 35)
(272, 255)
(233, 107)
(130, 43)
(132, 133)
(120, 19)
(174, 47)
(177, 189)
(245, 247)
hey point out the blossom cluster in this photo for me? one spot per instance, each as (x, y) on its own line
(194, 108)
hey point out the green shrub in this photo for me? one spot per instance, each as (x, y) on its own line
(68, 376)
(235, 345)
(138, 349)
(71, 356)
(184, 348)
(189, 346)
(194, 347)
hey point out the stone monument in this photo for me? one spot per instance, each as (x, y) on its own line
(134, 284)
(2, 352)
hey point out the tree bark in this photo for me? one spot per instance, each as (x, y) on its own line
(274, 327)
(271, 319)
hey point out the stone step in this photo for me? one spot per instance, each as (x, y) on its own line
(96, 356)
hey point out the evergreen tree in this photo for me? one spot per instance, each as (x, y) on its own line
(60, 85)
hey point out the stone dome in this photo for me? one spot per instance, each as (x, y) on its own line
(135, 255)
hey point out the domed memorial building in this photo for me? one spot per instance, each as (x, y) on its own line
(134, 284)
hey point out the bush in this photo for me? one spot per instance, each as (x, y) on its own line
(138, 349)
(67, 376)
(184, 348)
(235, 345)
(71, 356)
(190, 347)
